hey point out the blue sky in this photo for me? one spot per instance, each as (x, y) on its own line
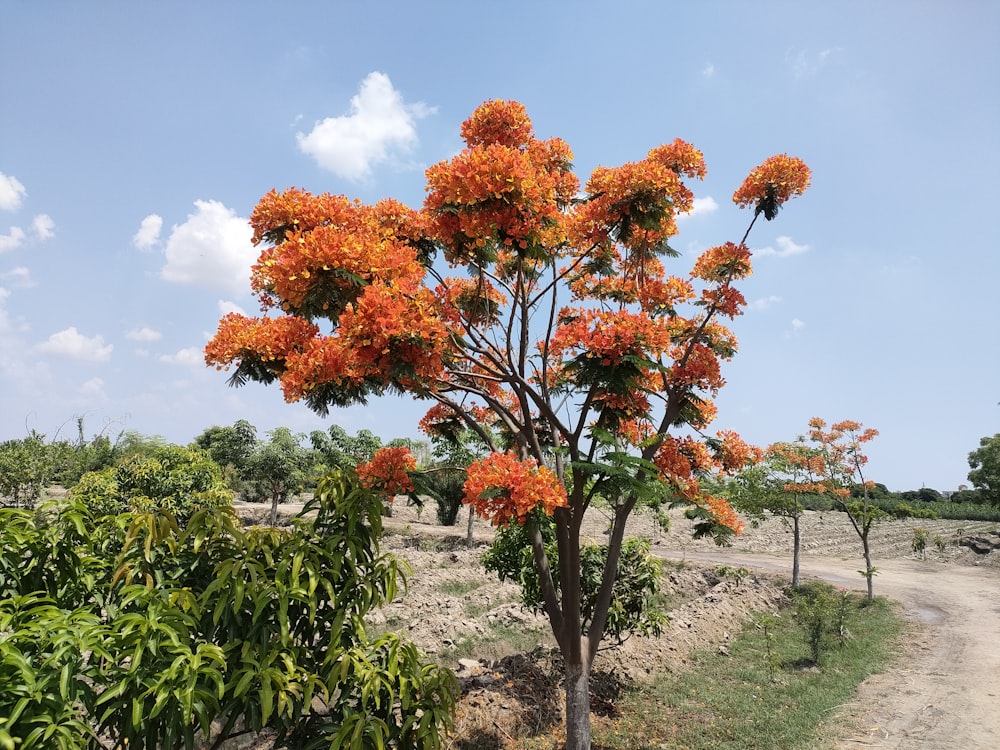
(136, 137)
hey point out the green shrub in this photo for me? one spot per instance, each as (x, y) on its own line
(815, 608)
(637, 585)
(208, 623)
(169, 478)
(919, 542)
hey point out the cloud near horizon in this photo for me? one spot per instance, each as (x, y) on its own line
(378, 125)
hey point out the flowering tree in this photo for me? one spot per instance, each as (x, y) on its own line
(843, 468)
(777, 485)
(540, 317)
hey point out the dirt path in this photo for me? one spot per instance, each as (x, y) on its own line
(945, 692)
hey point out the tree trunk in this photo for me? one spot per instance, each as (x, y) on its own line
(578, 706)
(869, 572)
(274, 509)
(795, 551)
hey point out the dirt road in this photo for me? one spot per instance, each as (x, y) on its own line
(945, 692)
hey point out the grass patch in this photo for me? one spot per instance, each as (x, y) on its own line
(733, 702)
(767, 693)
(458, 589)
(497, 642)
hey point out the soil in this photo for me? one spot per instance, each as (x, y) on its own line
(942, 692)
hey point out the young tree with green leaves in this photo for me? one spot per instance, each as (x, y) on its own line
(778, 485)
(984, 465)
(25, 469)
(277, 469)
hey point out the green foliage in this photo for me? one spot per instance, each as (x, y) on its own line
(343, 451)
(637, 584)
(816, 609)
(209, 623)
(276, 469)
(919, 541)
(169, 478)
(984, 465)
(904, 510)
(25, 469)
(445, 486)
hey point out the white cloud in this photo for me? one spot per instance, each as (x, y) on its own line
(212, 248)
(149, 232)
(19, 276)
(12, 239)
(143, 334)
(708, 71)
(804, 63)
(786, 247)
(702, 207)
(797, 326)
(71, 343)
(44, 227)
(764, 302)
(226, 307)
(190, 357)
(11, 193)
(93, 388)
(379, 122)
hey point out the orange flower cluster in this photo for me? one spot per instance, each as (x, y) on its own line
(269, 340)
(497, 121)
(700, 368)
(681, 460)
(470, 302)
(354, 246)
(723, 263)
(443, 418)
(734, 453)
(389, 471)
(506, 190)
(777, 180)
(503, 488)
(724, 514)
(608, 336)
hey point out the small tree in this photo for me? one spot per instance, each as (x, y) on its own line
(230, 447)
(984, 463)
(25, 469)
(843, 468)
(277, 469)
(210, 628)
(778, 485)
(515, 300)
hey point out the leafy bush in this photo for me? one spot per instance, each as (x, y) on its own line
(169, 478)
(445, 487)
(824, 614)
(637, 585)
(25, 469)
(184, 627)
